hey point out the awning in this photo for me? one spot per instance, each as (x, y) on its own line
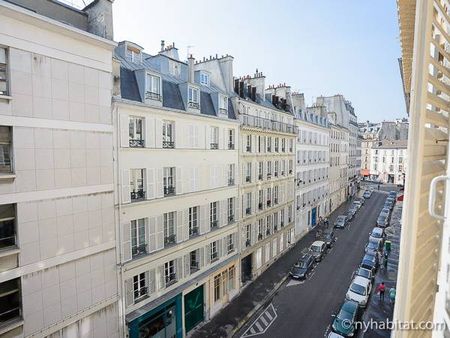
(365, 172)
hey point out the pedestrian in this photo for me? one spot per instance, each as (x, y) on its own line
(392, 293)
(381, 289)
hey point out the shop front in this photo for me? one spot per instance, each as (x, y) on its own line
(194, 308)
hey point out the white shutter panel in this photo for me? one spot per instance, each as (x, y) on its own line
(186, 224)
(158, 133)
(129, 299)
(223, 213)
(126, 241)
(151, 234)
(221, 138)
(224, 247)
(124, 130)
(150, 182)
(208, 254)
(202, 257)
(179, 181)
(179, 272)
(149, 133)
(225, 138)
(237, 208)
(180, 224)
(160, 277)
(196, 137)
(151, 281)
(204, 224)
(187, 265)
(220, 247)
(159, 233)
(126, 193)
(159, 186)
(254, 233)
(178, 137)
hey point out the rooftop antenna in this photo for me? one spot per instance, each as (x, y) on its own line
(189, 50)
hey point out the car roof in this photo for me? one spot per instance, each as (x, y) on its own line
(304, 257)
(318, 243)
(369, 271)
(369, 257)
(361, 281)
(341, 216)
(377, 230)
(349, 305)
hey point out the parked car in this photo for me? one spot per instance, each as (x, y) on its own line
(360, 200)
(334, 335)
(329, 238)
(377, 233)
(302, 267)
(317, 250)
(390, 202)
(372, 247)
(359, 290)
(351, 213)
(385, 211)
(367, 194)
(356, 204)
(369, 262)
(344, 322)
(340, 222)
(393, 194)
(366, 273)
(382, 221)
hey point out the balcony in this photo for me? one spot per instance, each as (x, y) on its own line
(136, 143)
(153, 96)
(230, 219)
(260, 236)
(193, 231)
(168, 144)
(169, 191)
(269, 149)
(170, 239)
(260, 177)
(230, 146)
(214, 224)
(248, 179)
(268, 232)
(248, 211)
(214, 146)
(248, 149)
(247, 243)
(139, 250)
(269, 176)
(275, 173)
(269, 203)
(170, 279)
(266, 124)
(194, 105)
(137, 195)
(214, 256)
(194, 267)
(275, 201)
(230, 182)
(282, 224)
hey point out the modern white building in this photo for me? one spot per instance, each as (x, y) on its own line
(389, 161)
(312, 166)
(57, 232)
(177, 173)
(266, 160)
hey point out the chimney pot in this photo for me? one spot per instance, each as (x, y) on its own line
(162, 45)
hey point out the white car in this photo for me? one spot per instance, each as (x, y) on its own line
(334, 335)
(359, 290)
(357, 203)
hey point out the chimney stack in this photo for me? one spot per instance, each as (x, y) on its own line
(162, 45)
(191, 62)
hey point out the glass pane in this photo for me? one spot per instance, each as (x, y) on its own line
(3, 90)
(2, 55)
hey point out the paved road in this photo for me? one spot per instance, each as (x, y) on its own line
(305, 310)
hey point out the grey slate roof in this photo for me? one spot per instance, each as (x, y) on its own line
(171, 95)
(128, 85)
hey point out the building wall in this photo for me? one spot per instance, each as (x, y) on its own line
(62, 183)
(387, 162)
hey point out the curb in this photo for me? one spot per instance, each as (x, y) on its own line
(258, 307)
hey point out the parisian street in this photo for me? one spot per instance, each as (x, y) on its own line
(305, 309)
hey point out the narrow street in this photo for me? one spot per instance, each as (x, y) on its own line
(306, 309)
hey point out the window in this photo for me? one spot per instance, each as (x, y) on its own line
(3, 71)
(231, 174)
(291, 165)
(230, 243)
(282, 218)
(5, 150)
(260, 229)
(260, 170)
(223, 105)
(276, 168)
(291, 145)
(216, 288)
(230, 203)
(169, 181)
(283, 167)
(193, 221)
(277, 144)
(153, 88)
(275, 221)
(248, 235)
(248, 209)
(269, 144)
(275, 195)
(168, 139)
(138, 242)
(269, 169)
(248, 175)
(194, 261)
(7, 226)
(135, 132)
(260, 199)
(290, 214)
(214, 251)
(170, 273)
(214, 138)
(249, 143)
(169, 228)
(204, 79)
(194, 101)
(231, 139)
(283, 145)
(231, 277)
(269, 196)
(139, 287)
(10, 300)
(213, 221)
(137, 185)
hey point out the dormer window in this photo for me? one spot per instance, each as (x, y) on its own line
(153, 87)
(223, 105)
(204, 79)
(194, 98)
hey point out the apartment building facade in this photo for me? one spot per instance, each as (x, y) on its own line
(369, 135)
(312, 167)
(57, 258)
(389, 161)
(177, 168)
(354, 151)
(266, 156)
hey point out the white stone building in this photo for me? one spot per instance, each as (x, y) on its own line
(57, 236)
(266, 159)
(177, 172)
(389, 161)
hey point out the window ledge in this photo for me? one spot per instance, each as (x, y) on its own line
(5, 97)
(7, 176)
(8, 251)
(11, 324)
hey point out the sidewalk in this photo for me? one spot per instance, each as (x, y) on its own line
(230, 319)
(380, 311)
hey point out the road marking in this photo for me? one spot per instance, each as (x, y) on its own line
(261, 324)
(294, 282)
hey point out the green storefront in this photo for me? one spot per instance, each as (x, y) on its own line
(193, 308)
(164, 321)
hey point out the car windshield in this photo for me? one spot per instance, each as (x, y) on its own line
(303, 264)
(372, 245)
(359, 289)
(315, 248)
(376, 234)
(341, 218)
(344, 315)
(364, 273)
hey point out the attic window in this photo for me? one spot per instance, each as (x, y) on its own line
(204, 79)
(153, 87)
(194, 101)
(223, 104)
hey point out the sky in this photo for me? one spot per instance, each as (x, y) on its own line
(325, 47)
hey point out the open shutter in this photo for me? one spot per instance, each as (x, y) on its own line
(178, 137)
(187, 265)
(150, 182)
(225, 139)
(159, 233)
(124, 130)
(159, 185)
(179, 272)
(254, 233)
(158, 133)
(224, 246)
(186, 224)
(126, 193)
(220, 248)
(180, 225)
(221, 138)
(160, 277)
(151, 234)
(126, 241)
(208, 254)
(129, 299)
(204, 224)
(223, 213)
(202, 257)
(149, 133)
(237, 208)
(179, 181)
(151, 281)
